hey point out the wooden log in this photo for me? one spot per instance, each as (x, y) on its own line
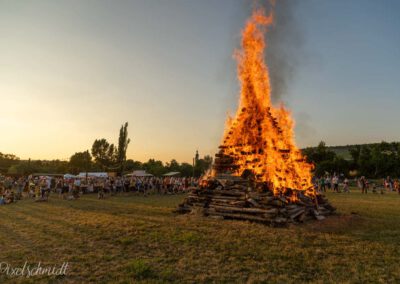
(323, 211)
(280, 220)
(267, 200)
(231, 197)
(281, 198)
(210, 197)
(294, 210)
(239, 204)
(302, 217)
(272, 211)
(241, 216)
(258, 195)
(199, 204)
(275, 202)
(292, 206)
(229, 193)
(238, 209)
(297, 213)
(253, 202)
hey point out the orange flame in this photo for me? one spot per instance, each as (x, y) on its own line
(260, 136)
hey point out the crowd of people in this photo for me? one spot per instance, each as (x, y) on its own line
(340, 183)
(386, 185)
(40, 187)
(336, 183)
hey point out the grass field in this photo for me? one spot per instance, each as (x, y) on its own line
(130, 239)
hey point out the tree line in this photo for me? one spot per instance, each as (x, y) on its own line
(376, 160)
(371, 160)
(103, 156)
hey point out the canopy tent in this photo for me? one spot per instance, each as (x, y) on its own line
(172, 174)
(139, 174)
(46, 175)
(69, 176)
(93, 174)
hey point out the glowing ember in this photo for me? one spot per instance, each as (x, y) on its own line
(260, 136)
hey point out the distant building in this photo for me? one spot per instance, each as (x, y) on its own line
(196, 157)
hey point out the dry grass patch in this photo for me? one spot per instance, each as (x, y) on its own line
(130, 239)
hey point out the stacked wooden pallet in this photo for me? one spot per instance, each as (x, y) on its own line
(235, 199)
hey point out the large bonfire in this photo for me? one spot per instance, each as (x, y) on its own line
(260, 136)
(259, 174)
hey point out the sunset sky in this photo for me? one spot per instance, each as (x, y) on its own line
(74, 71)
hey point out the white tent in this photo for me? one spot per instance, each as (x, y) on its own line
(69, 176)
(140, 174)
(93, 174)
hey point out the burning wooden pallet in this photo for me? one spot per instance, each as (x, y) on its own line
(232, 198)
(258, 145)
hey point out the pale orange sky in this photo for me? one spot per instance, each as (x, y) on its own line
(74, 71)
(68, 78)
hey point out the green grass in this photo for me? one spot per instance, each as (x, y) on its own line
(135, 239)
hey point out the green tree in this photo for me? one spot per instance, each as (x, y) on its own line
(173, 166)
(202, 165)
(319, 154)
(26, 167)
(80, 161)
(326, 160)
(131, 165)
(155, 167)
(186, 169)
(6, 161)
(123, 142)
(365, 164)
(384, 158)
(104, 153)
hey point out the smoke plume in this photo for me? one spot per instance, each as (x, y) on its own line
(284, 46)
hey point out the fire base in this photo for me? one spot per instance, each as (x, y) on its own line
(229, 197)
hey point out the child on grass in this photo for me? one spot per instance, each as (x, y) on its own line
(346, 185)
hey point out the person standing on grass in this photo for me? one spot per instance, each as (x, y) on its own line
(126, 184)
(367, 184)
(138, 185)
(335, 182)
(43, 186)
(346, 185)
(100, 192)
(77, 184)
(118, 185)
(389, 184)
(20, 188)
(132, 185)
(322, 184)
(328, 182)
(363, 184)
(59, 185)
(107, 186)
(31, 193)
(37, 190)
